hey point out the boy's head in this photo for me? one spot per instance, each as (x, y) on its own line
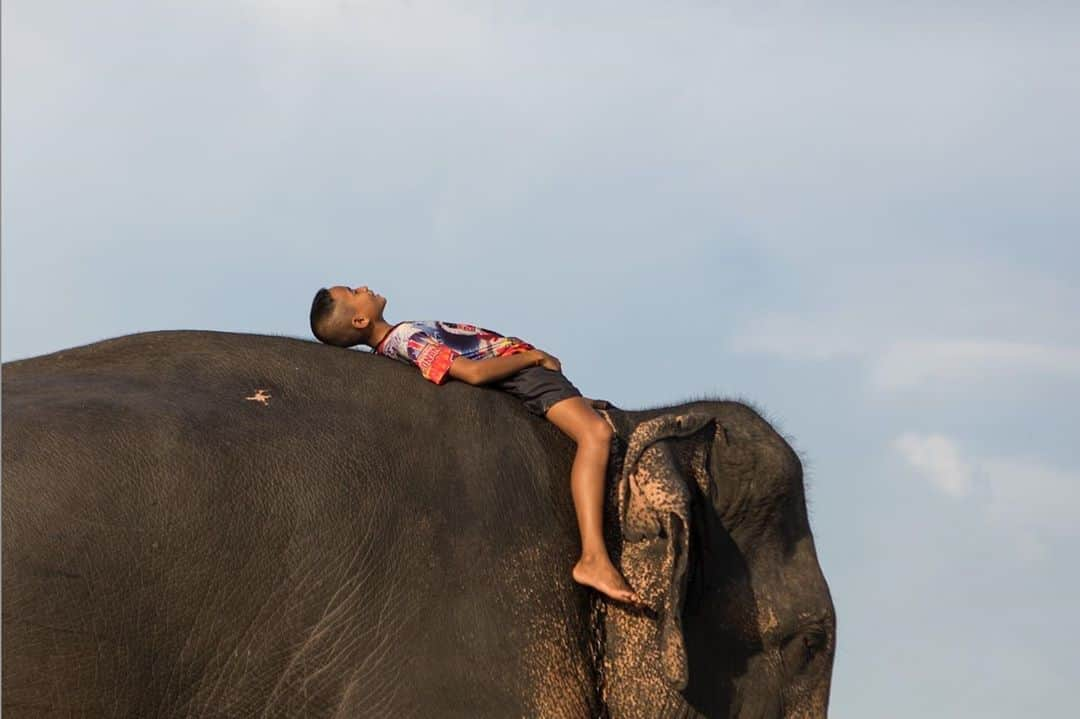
(345, 316)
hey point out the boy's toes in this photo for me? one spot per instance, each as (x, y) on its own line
(629, 598)
(607, 581)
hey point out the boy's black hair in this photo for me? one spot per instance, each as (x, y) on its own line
(322, 308)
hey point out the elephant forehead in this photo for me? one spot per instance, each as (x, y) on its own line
(734, 457)
(754, 477)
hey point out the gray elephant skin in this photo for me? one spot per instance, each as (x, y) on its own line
(204, 524)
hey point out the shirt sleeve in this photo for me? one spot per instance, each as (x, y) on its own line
(431, 356)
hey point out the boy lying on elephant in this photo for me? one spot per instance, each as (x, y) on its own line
(345, 317)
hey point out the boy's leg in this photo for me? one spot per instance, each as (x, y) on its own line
(576, 417)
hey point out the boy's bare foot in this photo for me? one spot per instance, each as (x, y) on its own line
(601, 575)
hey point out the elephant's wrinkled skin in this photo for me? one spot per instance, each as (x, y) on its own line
(355, 541)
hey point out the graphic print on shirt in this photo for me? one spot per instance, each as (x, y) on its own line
(433, 345)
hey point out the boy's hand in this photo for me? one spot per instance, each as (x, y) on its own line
(549, 361)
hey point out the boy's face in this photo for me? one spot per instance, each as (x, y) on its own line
(359, 306)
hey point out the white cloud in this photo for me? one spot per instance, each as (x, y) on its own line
(972, 318)
(908, 364)
(1020, 495)
(938, 459)
(903, 364)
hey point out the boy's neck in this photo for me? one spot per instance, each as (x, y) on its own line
(379, 330)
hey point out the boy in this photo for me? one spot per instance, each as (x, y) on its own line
(346, 317)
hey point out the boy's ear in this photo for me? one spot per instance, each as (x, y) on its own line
(360, 322)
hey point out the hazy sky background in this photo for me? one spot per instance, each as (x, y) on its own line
(861, 217)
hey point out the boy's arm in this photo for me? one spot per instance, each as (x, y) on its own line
(496, 368)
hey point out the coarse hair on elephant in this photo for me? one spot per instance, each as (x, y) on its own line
(215, 524)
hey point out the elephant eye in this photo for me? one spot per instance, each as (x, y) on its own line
(814, 640)
(803, 646)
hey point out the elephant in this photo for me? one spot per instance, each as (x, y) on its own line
(209, 524)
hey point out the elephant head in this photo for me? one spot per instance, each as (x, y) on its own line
(707, 520)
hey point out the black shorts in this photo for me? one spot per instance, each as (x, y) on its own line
(538, 387)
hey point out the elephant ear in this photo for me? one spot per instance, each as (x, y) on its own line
(654, 497)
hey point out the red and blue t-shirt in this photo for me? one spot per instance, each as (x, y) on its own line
(432, 345)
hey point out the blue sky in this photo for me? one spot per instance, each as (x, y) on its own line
(860, 217)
